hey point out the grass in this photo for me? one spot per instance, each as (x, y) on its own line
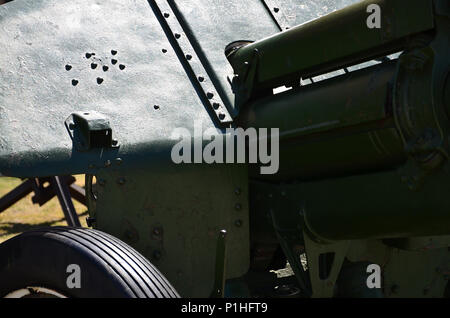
(24, 215)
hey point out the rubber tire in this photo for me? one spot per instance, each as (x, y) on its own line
(108, 266)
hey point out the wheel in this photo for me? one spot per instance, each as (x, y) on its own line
(77, 262)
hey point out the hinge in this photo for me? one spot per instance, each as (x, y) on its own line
(90, 129)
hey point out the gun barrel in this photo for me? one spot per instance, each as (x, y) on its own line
(334, 41)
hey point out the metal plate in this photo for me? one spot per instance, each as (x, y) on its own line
(41, 39)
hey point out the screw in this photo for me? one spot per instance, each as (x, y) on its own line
(121, 181)
(107, 163)
(238, 206)
(238, 223)
(237, 191)
(394, 289)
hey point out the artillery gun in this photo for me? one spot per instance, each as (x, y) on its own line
(356, 95)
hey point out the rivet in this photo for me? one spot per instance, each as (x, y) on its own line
(118, 161)
(209, 95)
(177, 35)
(201, 78)
(166, 15)
(237, 191)
(101, 182)
(216, 105)
(157, 255)
(107, 163)
(276, 9)
(188, 57)
(221, 116)
(238, 223)
(121, 181)
(238, 206)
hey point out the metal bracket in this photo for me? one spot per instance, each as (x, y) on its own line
(193, 62)
(324, 286)
(243, 84)
(89, 130)
(219, 283)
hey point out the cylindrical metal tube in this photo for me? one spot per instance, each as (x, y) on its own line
(379, 205)
(333, 41)
(332, 128)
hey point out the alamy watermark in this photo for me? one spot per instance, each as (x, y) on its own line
(374, 19)
(374, 279)
(74, 278)
(235, 145)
